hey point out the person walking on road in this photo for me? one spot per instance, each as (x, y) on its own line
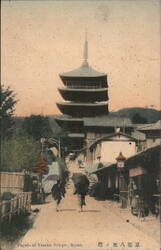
(58, 192)
(81, 184)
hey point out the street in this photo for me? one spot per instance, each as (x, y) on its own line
(98, 227)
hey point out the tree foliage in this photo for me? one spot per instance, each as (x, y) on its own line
(37, 126)
(137, 118)
(7, 103)
(18, 153)
(152, 115)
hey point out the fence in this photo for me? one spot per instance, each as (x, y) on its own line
(11, 182)
(21, 203)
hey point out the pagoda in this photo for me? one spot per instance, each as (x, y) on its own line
(85, 94)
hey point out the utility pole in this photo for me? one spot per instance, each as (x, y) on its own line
(59, 149)
(42, 140)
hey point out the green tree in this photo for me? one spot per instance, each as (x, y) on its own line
(18, 153)
(137, 118)
(37, 126)
(7, 104)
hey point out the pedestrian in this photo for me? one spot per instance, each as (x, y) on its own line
(81, 196)
(58, 192)
(81, 184)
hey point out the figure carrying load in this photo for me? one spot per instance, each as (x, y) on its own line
(81, 184)
(58, 192)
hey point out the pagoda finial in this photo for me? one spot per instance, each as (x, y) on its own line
(85, 55)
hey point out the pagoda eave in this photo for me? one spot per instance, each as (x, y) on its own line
(83, 109)
(75, 141)
(70, 124)
(77, 80)
(84, 95)
(63, 76)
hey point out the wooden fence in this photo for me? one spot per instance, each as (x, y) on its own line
(21, 203)
(11, 182)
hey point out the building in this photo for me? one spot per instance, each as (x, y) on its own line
(137, 180)
(85, 94)
(108, 147)
(85, 91)
(144, 176)
(85, 115)
(152, 132)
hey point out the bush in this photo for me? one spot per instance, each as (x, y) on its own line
(18, 153)
(6, 196)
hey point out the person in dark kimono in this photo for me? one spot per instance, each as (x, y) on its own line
(81, 196)
(58, 192)
(81, 184)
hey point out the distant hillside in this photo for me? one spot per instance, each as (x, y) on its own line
(152, 115)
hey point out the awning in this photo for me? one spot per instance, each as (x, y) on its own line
(136, 171)
(98, 166)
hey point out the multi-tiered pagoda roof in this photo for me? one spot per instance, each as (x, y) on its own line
(85, 95)
(85, 91)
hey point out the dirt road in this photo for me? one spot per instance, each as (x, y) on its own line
(98, 227)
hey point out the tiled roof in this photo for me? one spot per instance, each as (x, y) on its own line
(145, 158)
(151, 126)
(138, 135)
(95, 167)
(67, 118)
(108, 121)
(83, 71)
(107, 137)
(82, 103)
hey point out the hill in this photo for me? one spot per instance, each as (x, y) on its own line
(152, 115)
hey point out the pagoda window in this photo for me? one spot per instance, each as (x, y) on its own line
(82, 86)
(85, 84)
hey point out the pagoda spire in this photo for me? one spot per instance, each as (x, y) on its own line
(85, 54)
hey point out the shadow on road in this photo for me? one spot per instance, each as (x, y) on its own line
(92, 211)
(67, 209)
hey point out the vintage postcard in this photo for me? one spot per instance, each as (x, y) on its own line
(80, 125)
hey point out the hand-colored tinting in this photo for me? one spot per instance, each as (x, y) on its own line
(41, 39)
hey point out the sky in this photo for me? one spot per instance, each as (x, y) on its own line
(40, 39)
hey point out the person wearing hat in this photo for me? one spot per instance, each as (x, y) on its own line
(58, 192)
